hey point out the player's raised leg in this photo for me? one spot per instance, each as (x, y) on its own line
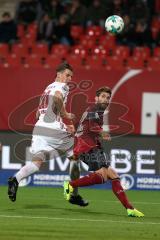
(24, 172)
(99, 177)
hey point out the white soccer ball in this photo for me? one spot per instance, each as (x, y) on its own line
(114, 24)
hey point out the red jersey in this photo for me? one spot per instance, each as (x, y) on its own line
(90, 126)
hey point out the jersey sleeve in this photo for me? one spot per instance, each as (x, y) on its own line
(63, 89)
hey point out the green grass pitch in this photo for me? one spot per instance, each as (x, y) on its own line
(42, 213)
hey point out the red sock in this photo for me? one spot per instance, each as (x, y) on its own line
(91, 179)
(119, 192)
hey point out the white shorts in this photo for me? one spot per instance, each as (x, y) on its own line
(50, 138)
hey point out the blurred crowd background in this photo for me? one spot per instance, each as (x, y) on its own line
(52, 20)
(41, 33)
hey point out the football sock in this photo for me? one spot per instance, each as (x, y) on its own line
(91, 179)
(74, 171)
(119, 192)
(26, 170)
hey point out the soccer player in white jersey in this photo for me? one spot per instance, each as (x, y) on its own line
(50, 134)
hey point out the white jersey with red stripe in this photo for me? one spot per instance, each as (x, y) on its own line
(50, 133)
(46, 105)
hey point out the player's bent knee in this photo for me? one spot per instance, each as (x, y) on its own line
(111, 173)
(103, 173)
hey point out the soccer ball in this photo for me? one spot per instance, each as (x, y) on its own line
(114, 24)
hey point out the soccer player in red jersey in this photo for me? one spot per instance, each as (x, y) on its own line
(89, 150)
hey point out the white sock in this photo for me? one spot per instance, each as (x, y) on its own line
(26, 170)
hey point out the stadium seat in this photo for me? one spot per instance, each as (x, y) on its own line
(60, 50)
(20, 31)
(156, 52)
(121, 51)
(142, 52)
(76, 32)
(88, 42)
(12, 61)
(114, 63)
(107, 41)
(154, 63)
(33, 60)
(94, 62)
(135, 63)
(94, 31)
(28, 41)
(40, 49)
(19, 50)
(80, 51)
(100, 51)
(52, 61)
(75, 60)
(4, 50)
(32, 30)
(155, 27)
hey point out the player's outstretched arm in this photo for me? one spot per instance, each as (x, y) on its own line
(59, 107)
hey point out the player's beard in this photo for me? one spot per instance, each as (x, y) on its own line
(102, 106)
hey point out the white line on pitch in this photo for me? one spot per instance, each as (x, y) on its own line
(132, 201)
(77, 219)
(107, 201)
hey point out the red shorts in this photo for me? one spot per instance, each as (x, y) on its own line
(83, 145)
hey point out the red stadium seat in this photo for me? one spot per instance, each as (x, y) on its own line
(74, 60)
(94, 31)
(76, 32)
(60, 50)
(115, 63)
(80, 51)
(4, 49)
(107, 41)
(135, 63)
(121, 51)
(40, 49)
(156, 52)
(20, 31)
(154, 63)
(100, 51)
(88, 42)
(12, 61)
(94, 62)
(154, 32)
(32, 29)
(28, 40)
(20, 50)
(155, 27)
(142, 52)
(33, 60)
(52, 61)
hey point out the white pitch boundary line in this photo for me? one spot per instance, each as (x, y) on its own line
(152, 203)
(77, 219)
(107, 201)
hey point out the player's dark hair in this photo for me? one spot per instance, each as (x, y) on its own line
(63, 66)
(103, 89)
